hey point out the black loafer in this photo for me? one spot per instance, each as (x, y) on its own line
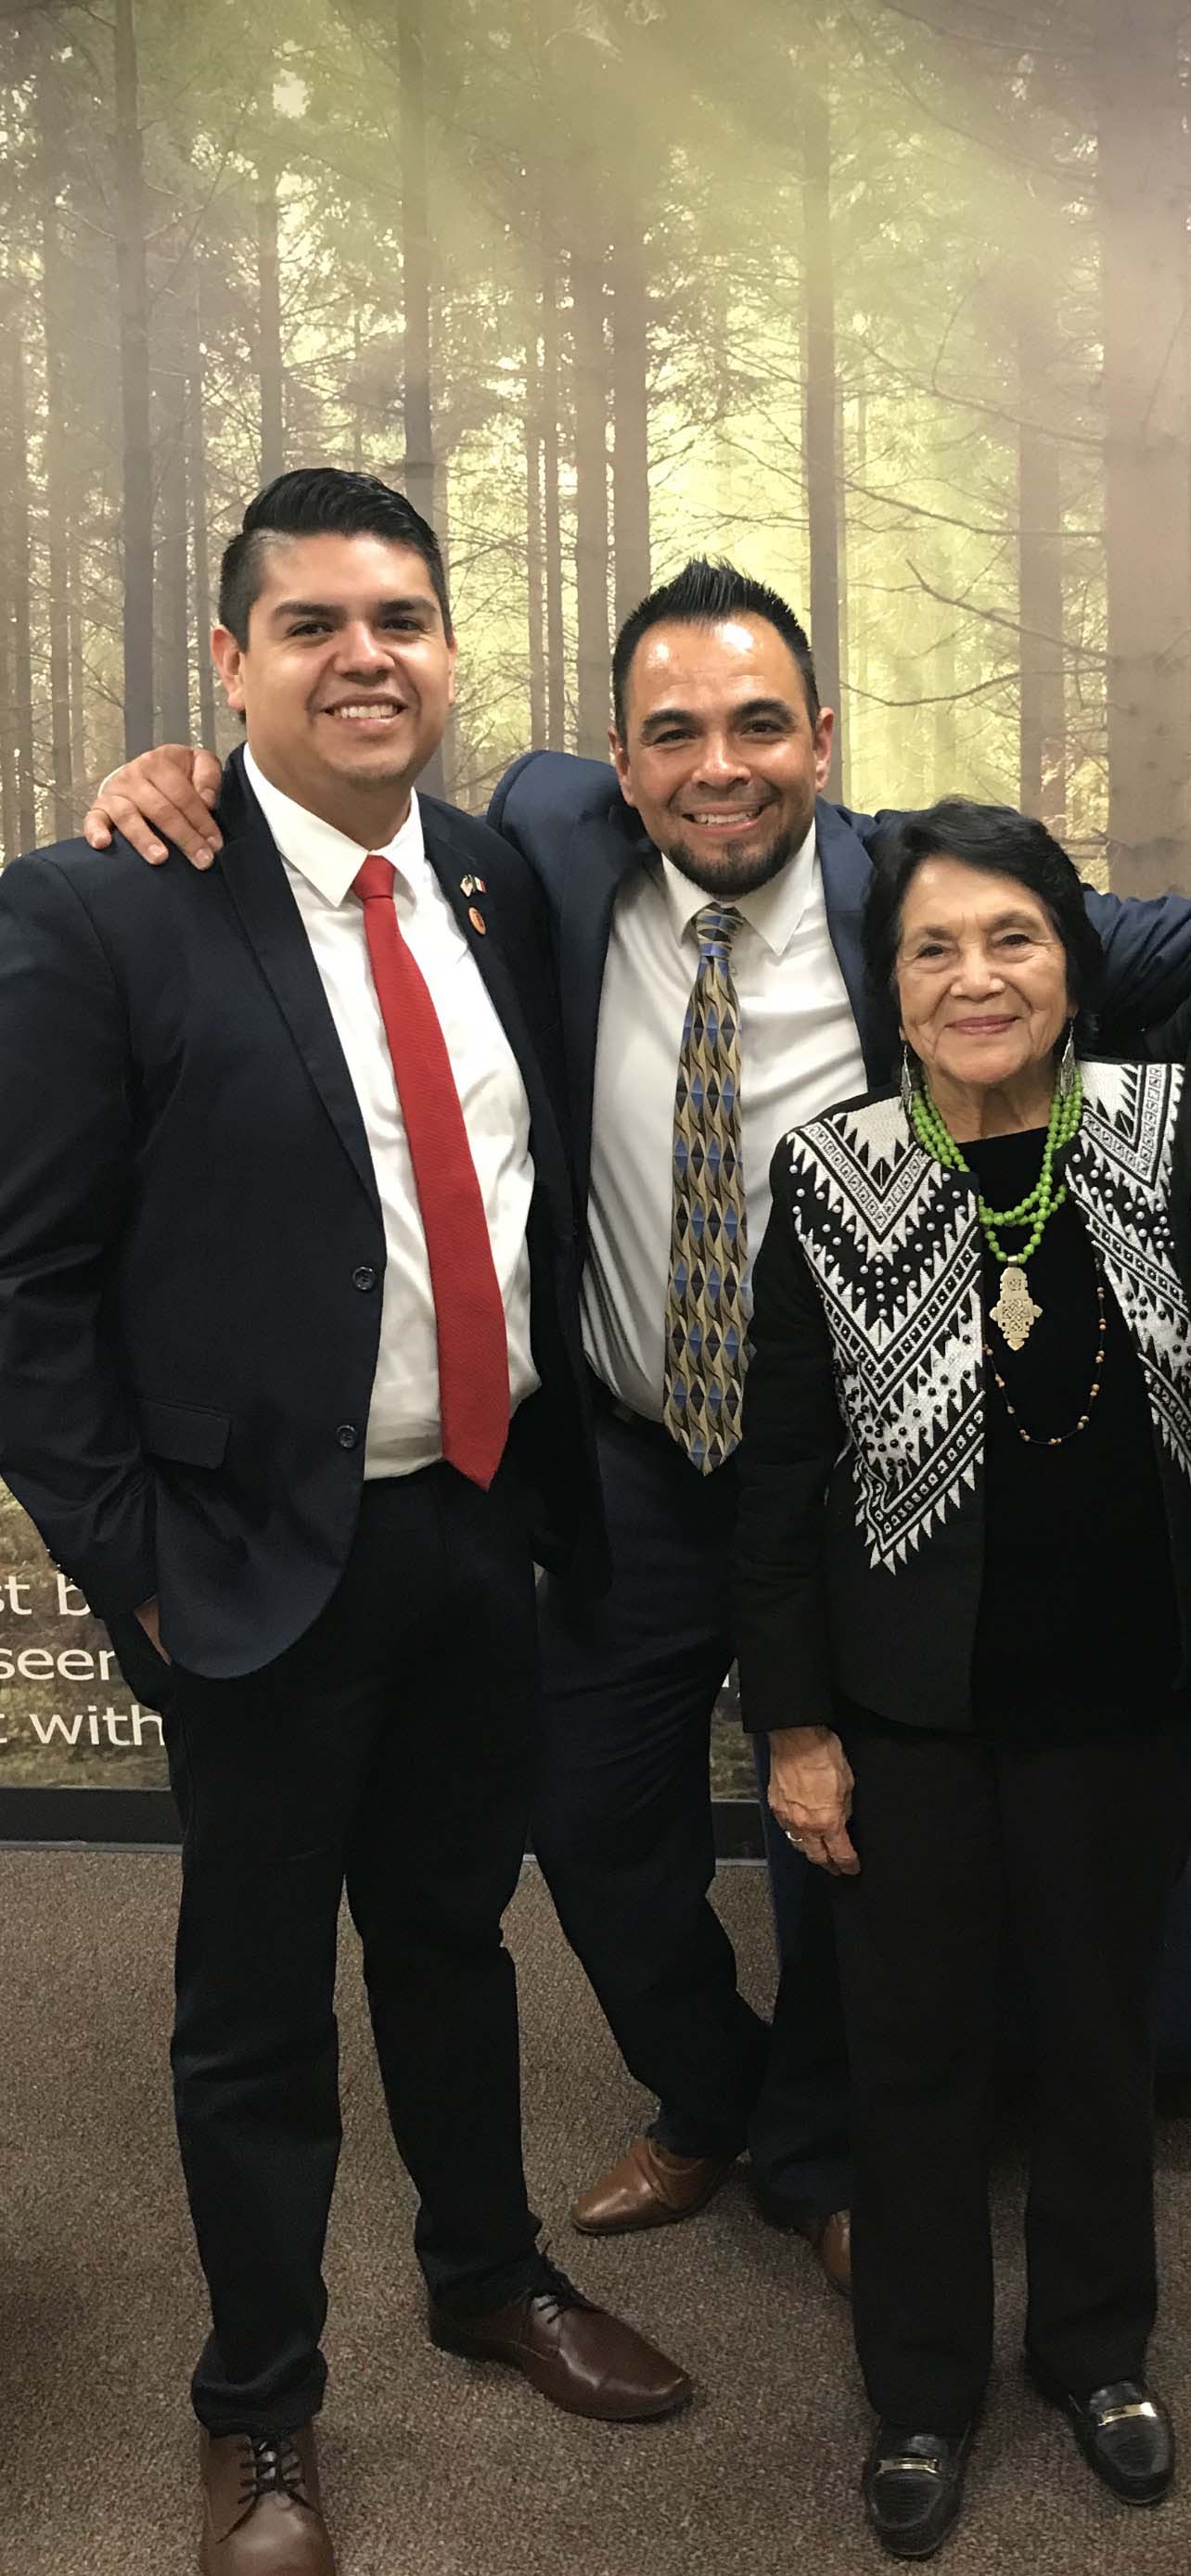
(913, 2487)
(1125, 2435)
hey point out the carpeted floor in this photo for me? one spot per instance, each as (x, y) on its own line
(434, 2467)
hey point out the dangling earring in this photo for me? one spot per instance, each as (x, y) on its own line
(907, 1085)
(1067, 1064)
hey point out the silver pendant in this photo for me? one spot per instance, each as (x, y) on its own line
(1015, 1310)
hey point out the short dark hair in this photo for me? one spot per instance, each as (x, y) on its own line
(319, 501)
(700, 595)
(1002, 842)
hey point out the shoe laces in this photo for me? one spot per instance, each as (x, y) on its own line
(554, 2294)
(270, 2466)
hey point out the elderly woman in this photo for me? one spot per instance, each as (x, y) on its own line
(964, 1567)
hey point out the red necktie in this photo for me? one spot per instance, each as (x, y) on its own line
(473, 1354)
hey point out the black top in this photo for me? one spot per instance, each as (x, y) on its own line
(1077, 1629)
(864, 1484)
(191, 1240)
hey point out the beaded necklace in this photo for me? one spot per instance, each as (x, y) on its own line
(1015, 1310)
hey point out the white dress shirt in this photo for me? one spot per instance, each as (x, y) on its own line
(799, 1054)
(404, 1428)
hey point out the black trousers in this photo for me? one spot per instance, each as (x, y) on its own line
(389, 1750)
(623, 1831)
(1073, 1849)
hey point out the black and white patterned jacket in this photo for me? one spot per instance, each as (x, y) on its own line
(860, 1534)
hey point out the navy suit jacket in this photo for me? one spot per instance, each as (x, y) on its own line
(569, 819)
(191, 1242)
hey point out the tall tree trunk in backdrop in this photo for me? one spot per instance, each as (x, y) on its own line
(76, 595)
(357, 393)
(860, 665)
(415, 263)
(58, 511)
(1043, 782)
(821, 394)
(590, 372)
(196, 476)
(630, 408)
(137, 442)
(535, 587)
(1147, 445)
(20, 527)
(9, 830)
(844, 624)
(10, 834)
(441, 776)
(173, 537)
(270, 357)
(943, 681)
(556, 661)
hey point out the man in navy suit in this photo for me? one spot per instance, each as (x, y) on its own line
(701, 884)
(291, 1383)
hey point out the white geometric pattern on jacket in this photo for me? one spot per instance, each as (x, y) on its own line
(894, 1244)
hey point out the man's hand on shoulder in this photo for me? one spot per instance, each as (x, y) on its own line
(164, 795)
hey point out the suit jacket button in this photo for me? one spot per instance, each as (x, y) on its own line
(347, 1435)
(365, 1276)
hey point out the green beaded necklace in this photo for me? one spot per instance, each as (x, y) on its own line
(1015, 1310)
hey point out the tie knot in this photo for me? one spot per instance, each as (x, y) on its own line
(375, 880)
(715, 923)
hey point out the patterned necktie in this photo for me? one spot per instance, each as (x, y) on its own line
(473, 1357)
(708, 1303)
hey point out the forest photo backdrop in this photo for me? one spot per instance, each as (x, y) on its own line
(888, 302)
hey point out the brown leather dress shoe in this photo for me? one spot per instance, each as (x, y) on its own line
(573, 2353)
(261, 2510)
(832, 2241)
(831, 2237)
(650, 2187)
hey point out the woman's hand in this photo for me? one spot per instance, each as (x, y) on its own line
(810, 1793)
(163, 795)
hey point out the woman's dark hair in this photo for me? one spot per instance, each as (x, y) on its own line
(1003, 843)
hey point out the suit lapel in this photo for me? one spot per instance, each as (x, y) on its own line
(272, 923)
(449, 859)
(847, 870)
(602, 850)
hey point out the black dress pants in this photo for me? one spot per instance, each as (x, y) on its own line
(623, 1831)
(389, 1750)
(1073, 1847)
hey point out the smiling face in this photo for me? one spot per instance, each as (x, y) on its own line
(347, 677)
(720, 756)
(981, 980)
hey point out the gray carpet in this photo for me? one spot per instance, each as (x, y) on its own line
(435, 2467)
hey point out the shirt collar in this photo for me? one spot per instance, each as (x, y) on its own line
(774, 911)
(324, 856)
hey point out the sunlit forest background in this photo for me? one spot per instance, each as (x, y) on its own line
(888, 302)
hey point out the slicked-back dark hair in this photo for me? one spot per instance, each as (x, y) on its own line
(321, 501)
(701, 595)
(1005, 844)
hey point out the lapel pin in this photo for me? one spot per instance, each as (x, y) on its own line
(467, 885)
(479, 885)
(476, 919)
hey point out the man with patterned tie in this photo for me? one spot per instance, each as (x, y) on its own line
(291, 1383)
(704, 905)
(703, 1001)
